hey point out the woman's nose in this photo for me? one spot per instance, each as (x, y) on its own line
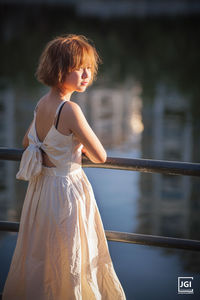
(85, 73)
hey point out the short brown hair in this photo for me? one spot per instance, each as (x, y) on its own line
(63, 55)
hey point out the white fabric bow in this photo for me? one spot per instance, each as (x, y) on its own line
(31, 162)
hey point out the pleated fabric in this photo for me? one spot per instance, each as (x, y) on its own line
(61, 251)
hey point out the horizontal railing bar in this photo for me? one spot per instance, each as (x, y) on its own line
(141, 165)
(153, 240)
(9, 226)
(148, 166)
(126, 237)
(10, 154)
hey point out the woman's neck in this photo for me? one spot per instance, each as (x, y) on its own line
(59, 94)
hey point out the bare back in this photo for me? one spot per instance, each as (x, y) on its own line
(46, 118)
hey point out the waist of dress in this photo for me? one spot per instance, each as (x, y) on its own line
(64, 171)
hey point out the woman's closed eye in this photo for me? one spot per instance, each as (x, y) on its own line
(83, 68)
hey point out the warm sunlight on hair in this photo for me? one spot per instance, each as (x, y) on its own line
(65, 54)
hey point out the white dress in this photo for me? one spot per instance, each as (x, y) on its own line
(61, 251)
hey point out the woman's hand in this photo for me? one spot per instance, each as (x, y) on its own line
(84, 151)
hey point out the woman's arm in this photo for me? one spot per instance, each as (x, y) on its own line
(77, 122)
(25, 141)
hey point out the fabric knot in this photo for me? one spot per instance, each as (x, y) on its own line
(38, 144)
(31, 162)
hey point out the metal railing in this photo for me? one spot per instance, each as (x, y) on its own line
(126, 237)
(129, 164)
(142, 165)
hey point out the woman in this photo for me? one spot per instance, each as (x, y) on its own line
(61, 251)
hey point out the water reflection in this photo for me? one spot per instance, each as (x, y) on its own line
(166, 202)
(169, 137)
(7, 181)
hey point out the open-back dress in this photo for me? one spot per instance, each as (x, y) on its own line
(61, 251)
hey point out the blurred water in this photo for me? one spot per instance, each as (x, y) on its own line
(143, 105)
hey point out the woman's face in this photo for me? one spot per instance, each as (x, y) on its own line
(77, 80)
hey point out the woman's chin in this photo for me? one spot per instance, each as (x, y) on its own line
(82, 88)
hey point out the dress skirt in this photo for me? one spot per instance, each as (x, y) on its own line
(61, 251)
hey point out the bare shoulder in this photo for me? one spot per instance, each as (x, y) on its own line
(40, 102)
(72, 106)
(72, 109)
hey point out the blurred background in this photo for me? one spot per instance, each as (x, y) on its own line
(144, 104)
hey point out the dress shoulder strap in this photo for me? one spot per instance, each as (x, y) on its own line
(35, 110)
(36, 107)
(58, 111)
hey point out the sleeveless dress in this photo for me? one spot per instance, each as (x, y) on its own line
(61, 251)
